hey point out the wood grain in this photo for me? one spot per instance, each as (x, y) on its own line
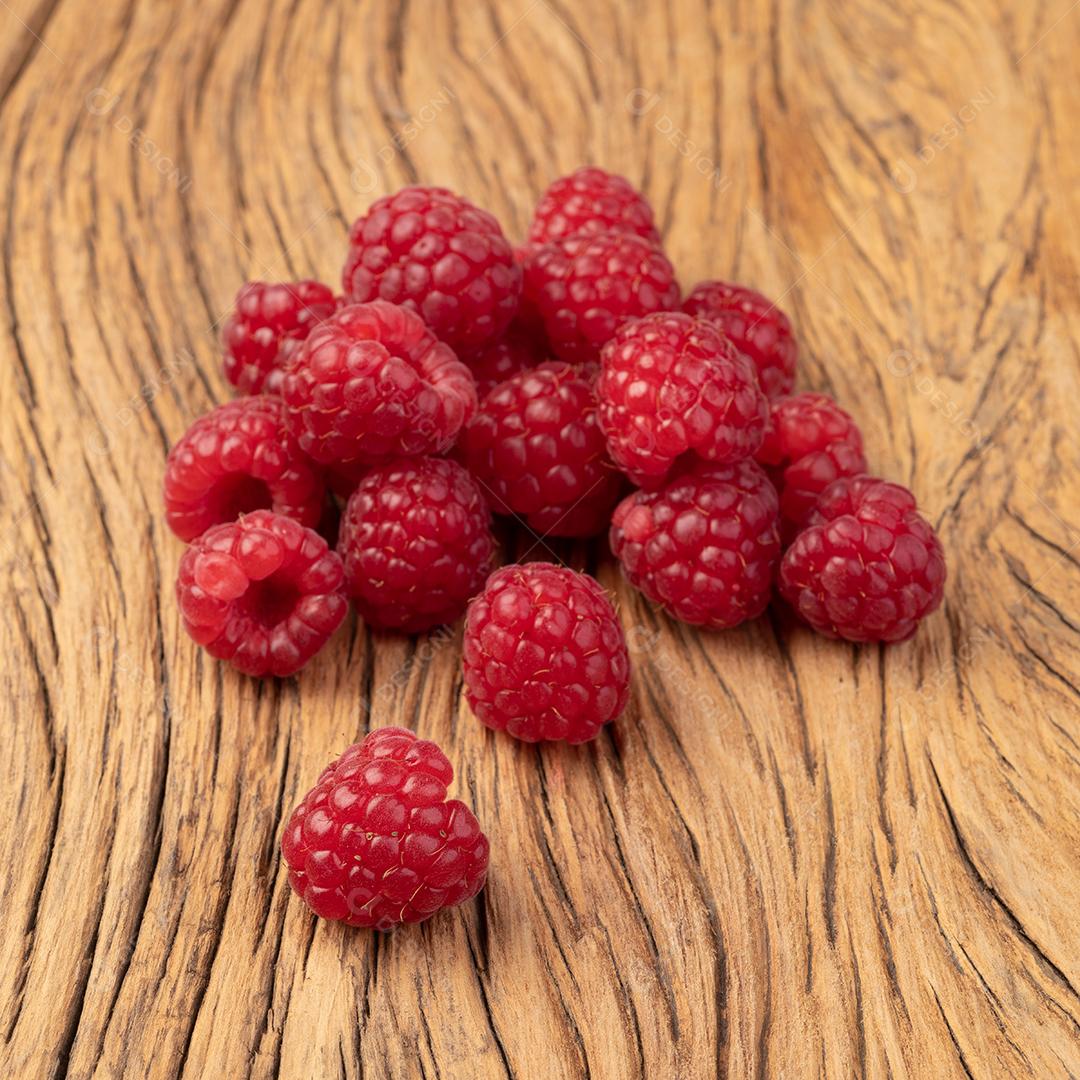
(792, 857)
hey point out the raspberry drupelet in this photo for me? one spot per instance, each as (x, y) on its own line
(583, 288)
(377, 843)
(756, 327)
(239, 457)
(809, 442)
(544, 655)
(268, 321)
(372, 383)
(436, 253)
(672, 384)
(705, 546)
(867, 567)
(262, 592)
(538, 451)
(416, 542)
(589, 201)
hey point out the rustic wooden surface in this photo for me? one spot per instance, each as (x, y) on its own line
(791, 857)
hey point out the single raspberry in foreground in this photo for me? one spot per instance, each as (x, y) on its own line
(867, 567)
(538, 451)
(436, 253)
(809, 442)
(373, 383)
(705, 546)
(756, 327)
(544, 655)
(377, 843)
(416, 542)
(268, 321)
(263, 592)
(589, 201)
(237, 458)
(583, 288)
(672, 384)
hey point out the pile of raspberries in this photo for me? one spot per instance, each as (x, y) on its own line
(567, 383)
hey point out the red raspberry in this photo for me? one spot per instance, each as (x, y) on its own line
(538, 451)
(756, 326)
(268, 321)
(809, 442)
(416, 542)
(263, 593)
(868, 567)
(544, 654)
(377, 843)
(671, 384)
(236, 458)
(591, 201)
(372, 383)
(517, 350)
(705, 546)
(435, 252)
(583, 288)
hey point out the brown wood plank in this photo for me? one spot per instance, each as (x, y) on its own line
(791, 857)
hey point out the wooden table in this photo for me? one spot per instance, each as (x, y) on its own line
(791, 857)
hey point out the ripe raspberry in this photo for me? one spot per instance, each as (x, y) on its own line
(268, 321)
(372, 383)
(591, 201)
(538, 451)
(809, 442)
(671, 383)
(583, 288)
(435, 252)
(705, 546)
(544, 655)
(757, 328)
(263, 593)
(517, 350)
(867, 567)
(377, 843)
(239, 457)
(416, 542)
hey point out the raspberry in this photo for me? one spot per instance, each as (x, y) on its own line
(377, 843)
(868, 567)
(705, 546)
(809, 442)
(236, 458)
(583, 288)
(756, 326)
(416, 542)
(263, 593)
(544, 655)
(671, 383)
(268, 321)
(435, 252)
(372, 383)
(517, 350)
(591, 201)
(538, 451)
